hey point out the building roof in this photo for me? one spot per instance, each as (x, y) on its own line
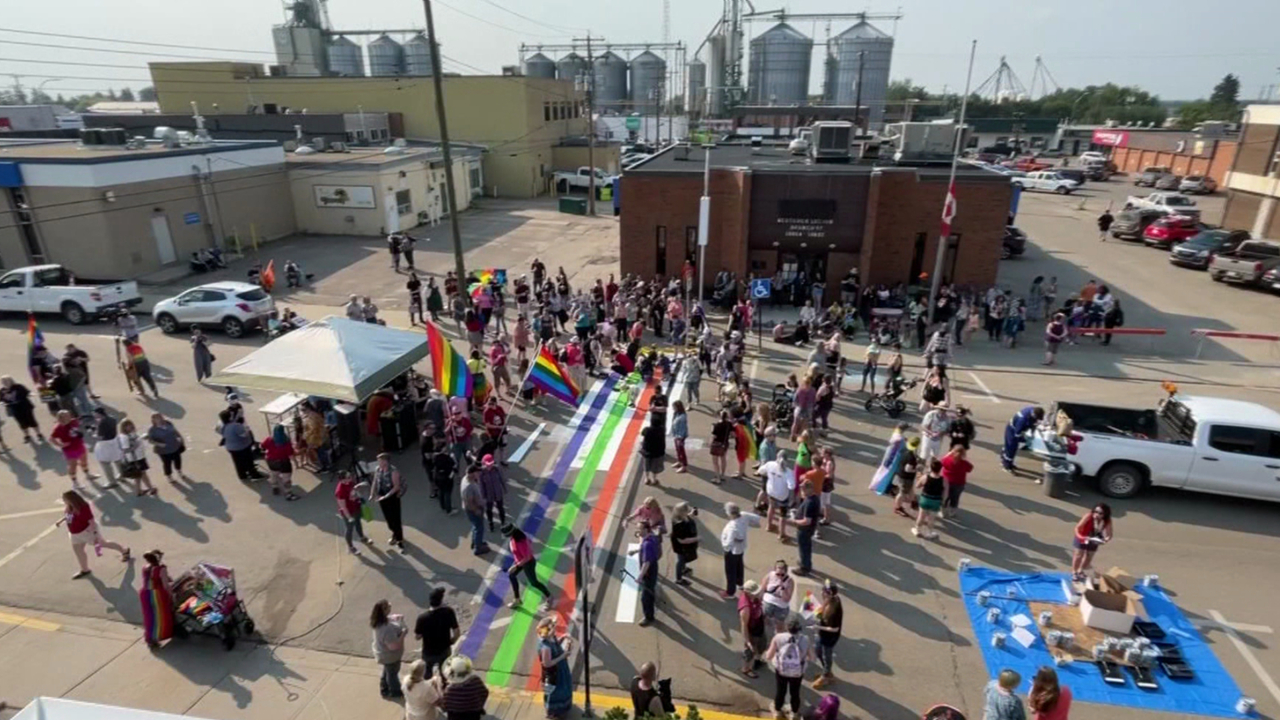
(377, 156)
(1213, 409)
(72, 152)
(1031, 126)
(117, 106)
(689, 160)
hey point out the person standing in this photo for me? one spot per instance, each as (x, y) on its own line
(778, 586)
(422, 692)
(653, 448)
(1019, 425)
(1093, 530)
(930, 488)
(693, 383)
(368, 310)
(961, 429)
(442, 469)
(803, 403)
(388, 647)
(201, 355)
(1104, 224)
(933, 428)
(237, 440)
(720, 433)
(827, 464)
(17, 404)
(414, 286)
(83, 529)
(133, 458)
(136, 358)
(1047, 699)
(406, 249)
(684, 541)
(465, 693)
(809, 516)
(523, 561)
(733, 540)
(279, 454)
(650, 552)
(646, 701)
(155, 595)
(459, 430)
(1054, 335)
(829, 621)
(680, 433)
(1002, 701)
(789, 653)
(1113, 317)
(435, 303)
(107, 449)
(75, 359)
(68, 437)
(751, 623)
(870, 362)
(438, 630)
(393, 246)
(351, 497)
(388, 487)
(908, 466)
(493, 486)
(473, 506)
(779, 488)
(557, 677)
(955, 474)
(353, 310)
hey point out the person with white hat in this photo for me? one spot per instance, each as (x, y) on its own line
(465, 693)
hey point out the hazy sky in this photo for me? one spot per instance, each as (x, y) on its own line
(1175, 48)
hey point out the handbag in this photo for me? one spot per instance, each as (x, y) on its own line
(366, 512)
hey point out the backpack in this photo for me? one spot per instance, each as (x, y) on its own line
(790, 659)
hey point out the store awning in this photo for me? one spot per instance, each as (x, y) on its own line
(333, 358)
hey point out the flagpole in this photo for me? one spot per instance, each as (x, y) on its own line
(512, 407)
(936, 281)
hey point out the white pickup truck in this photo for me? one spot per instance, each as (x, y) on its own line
(1205, 444)
(53, 289)
(1172, 203)
(1047, 181)
(581, 179)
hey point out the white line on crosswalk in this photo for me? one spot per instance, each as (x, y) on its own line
(527, 444)
(629, 593)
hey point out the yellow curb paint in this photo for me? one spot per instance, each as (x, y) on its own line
(23, 621)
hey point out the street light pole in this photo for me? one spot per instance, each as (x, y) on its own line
(936, 280)
(438, 84)
(704, 217)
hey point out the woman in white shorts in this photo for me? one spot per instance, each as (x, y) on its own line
(778, 587)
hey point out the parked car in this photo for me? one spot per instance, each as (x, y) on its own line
(1204, 444)
(1076, 174)
(1197, 185)
(55, 289)
(1172, 203)
(1149, 176)
(1015, 243)
(581, 179)
(1047, 181)
(1271, 279)
(1168, 181)
(1130, 223)
(1198, 250)
(1099, 170)
(1089, 156)
(1171, 230)
(233, 306)
(1247, 263)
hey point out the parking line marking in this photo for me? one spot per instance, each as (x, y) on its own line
(8, 558)
(990, 395)
(629, 593)
(29, 513)
(527, 444)
(1231, 634)
(1242, 627)
(27, 622)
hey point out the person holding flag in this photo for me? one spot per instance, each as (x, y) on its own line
(549, 375)
(495, 424)
(746, 445)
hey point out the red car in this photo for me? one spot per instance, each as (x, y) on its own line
(1171, 230)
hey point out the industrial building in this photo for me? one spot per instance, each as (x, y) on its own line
(114, 210)
(518, 119)
(771, 212)
(1253, 185)
(626, 78)
(1183, 152)
(354, 129)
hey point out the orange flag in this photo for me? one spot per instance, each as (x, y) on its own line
(269, 276)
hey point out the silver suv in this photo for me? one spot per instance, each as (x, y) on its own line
(232, 306)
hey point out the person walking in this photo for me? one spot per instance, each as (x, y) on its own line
(493, 487)
(778, 586)
(155, 595)
(1104, 224)
(107, 449)
(751, 623)
(733, 541)
(650, 552)
(1002, 701)
(237, 440)
(557, 677)
(388, 487)
(133, 458)
(807, 519)
(789, 653)
(351, 497)
(279, 454)
(473, 506)
(200, 353)
(136, 358)
(393, 246)
(68, 437)
(1093, 530)
(936, 389)
(442, 469)
(76, 360)
(406, 249)
(829, 622)
(523, 561)
(422, 692)
(1055, 332)
(83, 529)
(168, 445)
(1047, 699)
(465, 693)
(684, 541)
(438, 630)
(955, 474)
(17, 405)
(414, 286)
(388, 647)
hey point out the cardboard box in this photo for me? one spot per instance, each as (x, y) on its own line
(1112, 612)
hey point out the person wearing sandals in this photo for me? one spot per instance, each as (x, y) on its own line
(778, 587)
(751, 622)
(279, 453)
(931, 488)
(133, 458)
(68, 437)
(1093, 530)
(83, 529)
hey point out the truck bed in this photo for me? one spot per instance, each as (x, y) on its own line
(1145, 424)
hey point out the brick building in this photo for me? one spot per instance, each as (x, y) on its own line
(1253, 186)
(1184, 153)
(771, 212)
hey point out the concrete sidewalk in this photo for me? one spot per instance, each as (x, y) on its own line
(106, 662)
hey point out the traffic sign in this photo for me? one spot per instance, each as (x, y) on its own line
(633, 123)
(761, 288)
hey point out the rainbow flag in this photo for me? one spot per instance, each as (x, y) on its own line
(452, 376)
(476, 289)
(35, 339)
(746, 445)
(549, 376)
(488, 275)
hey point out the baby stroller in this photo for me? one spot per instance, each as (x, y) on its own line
(205, 601)
(781, 401)
(889, 399)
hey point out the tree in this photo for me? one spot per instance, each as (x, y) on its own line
(1227, 92)
(1223, 104)
(900, 90)
(126, 95)
(147, 94)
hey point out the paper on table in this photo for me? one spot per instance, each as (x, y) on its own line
(1023, 636)
(1020, 620)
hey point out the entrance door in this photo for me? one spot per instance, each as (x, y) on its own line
(798, 273)
(917, 259)
(164, 241)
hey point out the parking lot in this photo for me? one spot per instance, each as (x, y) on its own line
(907, 640)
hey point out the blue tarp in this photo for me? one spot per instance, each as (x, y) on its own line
(1211, 692)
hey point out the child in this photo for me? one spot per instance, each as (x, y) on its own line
(1002, 703)
(828, 465)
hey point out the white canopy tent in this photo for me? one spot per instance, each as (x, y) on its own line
(334, 358)
(45, 708)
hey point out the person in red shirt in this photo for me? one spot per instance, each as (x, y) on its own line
(380, 402)
(279, 452)
(459, 429)
(69, 438)
(351, 497)
(498, 365)
(955, 473)
(495, 424)
(1094, 529)
(83, 529)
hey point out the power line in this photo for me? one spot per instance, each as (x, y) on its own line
(557, 28)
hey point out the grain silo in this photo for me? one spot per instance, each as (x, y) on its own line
(863, 48)
(417, 55)
(696, 90)
(386, 57)
(648, 73)
(345, 58)
(715, 75)
(779, 69)
(571, 67)
(611, 82)
(538, 65)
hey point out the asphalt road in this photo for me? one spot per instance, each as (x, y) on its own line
(907, 641)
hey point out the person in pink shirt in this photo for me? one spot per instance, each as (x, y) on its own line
(637, 330)
(675, 309)
(522, 561)
(521, 337)
(498, 364)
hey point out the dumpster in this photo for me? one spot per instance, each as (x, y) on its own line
(1057, 474)
(573, 205)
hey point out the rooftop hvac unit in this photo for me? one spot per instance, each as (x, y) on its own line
(276, 71)
(338, 147)
(317, 144)
(90, 137)
(290, 145)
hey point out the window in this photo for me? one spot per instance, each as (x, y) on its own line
(1273, 450)
(1239, 440)
(691, 243)
(404, 204)
(662, 250)
(252, 295)
(577, 110)
(546, 112)
(475, 178)
(11, 281)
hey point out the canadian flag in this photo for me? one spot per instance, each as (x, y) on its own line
(949, 210)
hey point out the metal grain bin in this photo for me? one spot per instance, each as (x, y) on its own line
(779, 69)
(648, 73)
(571, 67)
(611, 82)
(417, 55)
(538, 65)
(865, 46)
(345, 58)
(386, 57)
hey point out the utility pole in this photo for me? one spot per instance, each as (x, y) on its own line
(857, 98)
(704, 216)
(436, 81)
(589, 80)
(935, 283)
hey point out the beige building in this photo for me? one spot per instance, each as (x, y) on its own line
(380, 190)
(112, 211)
(1253, 185)
(519, 119)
